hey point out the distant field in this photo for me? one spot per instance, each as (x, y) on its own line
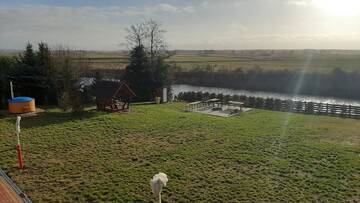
(311, 60)
(319, 61)
(259, 156)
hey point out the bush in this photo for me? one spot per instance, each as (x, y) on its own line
(259, 102)
(269, 103)
(251, 102)
(277, 104)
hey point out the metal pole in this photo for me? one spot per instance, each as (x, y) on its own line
(11, 90)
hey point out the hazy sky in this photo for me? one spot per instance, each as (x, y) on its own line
(190, 24)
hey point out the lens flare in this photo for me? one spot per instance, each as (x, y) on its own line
(342, 8)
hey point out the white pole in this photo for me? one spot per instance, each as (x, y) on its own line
(18, 118)
(18, 146)
(12, 90)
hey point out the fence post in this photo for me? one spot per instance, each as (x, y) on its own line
(349, 110)
(327, 108)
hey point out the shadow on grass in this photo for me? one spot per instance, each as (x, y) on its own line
(51, 118)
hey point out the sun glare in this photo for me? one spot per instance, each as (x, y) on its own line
(339, 7)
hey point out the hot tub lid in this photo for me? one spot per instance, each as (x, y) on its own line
(20, 100)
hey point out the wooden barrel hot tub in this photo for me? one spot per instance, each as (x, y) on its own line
(21, 105)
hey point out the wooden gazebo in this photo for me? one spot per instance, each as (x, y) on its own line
(113, 95)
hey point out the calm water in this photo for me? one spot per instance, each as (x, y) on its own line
(189, 88)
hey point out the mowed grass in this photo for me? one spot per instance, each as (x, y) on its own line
(259, 156)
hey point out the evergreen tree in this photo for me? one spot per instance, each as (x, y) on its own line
(7, 65)
(147, 72)
(46, 73)
(43, 59)
(28, 58)
(160, 72)
(138, 73)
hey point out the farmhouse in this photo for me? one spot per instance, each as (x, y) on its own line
(113, 95)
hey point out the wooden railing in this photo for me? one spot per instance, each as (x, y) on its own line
(316, 108)
(305, 107)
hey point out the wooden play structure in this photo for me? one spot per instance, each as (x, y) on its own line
(113, 95)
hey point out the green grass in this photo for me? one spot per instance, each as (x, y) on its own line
(260, 156)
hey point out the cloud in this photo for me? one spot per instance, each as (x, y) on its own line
(299, 2)
(173, 9)
(162, 8)
(208, 24)
(99, 11)
(81, 27)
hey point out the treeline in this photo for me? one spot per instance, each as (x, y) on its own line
(49, 76)
(337, 83)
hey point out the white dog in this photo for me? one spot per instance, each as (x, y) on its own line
(157, 182)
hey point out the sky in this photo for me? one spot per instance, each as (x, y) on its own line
(190, 24)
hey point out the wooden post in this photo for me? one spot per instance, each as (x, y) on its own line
(349, 110)
(327, 108)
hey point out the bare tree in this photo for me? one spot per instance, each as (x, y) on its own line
(136, 35)
(155, 38)
(148, 34)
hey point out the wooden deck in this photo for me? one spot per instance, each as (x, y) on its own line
(9, 192)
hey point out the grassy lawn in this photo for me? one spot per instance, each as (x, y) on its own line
(260, 156)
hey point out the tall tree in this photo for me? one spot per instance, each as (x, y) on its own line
(147, 71)
(155, 38)
(136, 35)
(150, 35)
(46, 71)
(67, 74)
(43, 58)
(138, 73)
(7, 66)
(28, 57)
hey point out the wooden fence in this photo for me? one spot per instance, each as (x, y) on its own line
(306, 107)
(347, 111)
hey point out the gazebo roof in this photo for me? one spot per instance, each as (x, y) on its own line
(108, 89)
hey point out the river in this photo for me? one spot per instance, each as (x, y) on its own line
(330, 100)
